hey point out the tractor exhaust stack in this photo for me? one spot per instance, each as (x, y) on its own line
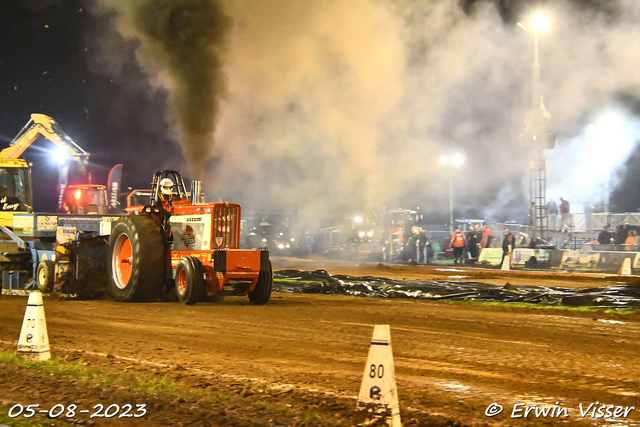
(195, 192)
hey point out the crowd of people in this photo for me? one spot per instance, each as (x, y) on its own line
(466, 244)
(476, 238)
(622, 238)
(415, 246)
(418, 247)
(565, 215)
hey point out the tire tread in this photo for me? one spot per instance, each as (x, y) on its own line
(262, 292)
(148, 251)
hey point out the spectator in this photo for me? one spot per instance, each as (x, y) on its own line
(457, 244)
(565, 217)
(415, 246)
(625, 230)
(636, 240)
(478, 231)
(472, 243)
(532, 243)
(487, 235)
(468, 235)
(508, 244)
(604, 238)
(629, 241)
(553, 214)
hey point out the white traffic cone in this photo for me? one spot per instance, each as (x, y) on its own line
(625, 269)
(506, 262)
(378, 393)
(34, 340)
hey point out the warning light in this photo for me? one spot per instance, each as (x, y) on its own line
(78, 194)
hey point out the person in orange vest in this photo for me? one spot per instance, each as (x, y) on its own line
(458, 241)
(487, 234)
(629, 241)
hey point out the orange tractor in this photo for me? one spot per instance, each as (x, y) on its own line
(176, 244)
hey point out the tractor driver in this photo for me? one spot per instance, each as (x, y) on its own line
(166, 191)
(166, 198)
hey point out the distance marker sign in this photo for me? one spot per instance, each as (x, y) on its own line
(34, 340)
(378, 393)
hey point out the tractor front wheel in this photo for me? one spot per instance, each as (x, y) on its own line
(136, 263)
(262, 292)
(45, 275)
(189, 280)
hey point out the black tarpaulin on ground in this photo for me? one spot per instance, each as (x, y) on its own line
(320, 281)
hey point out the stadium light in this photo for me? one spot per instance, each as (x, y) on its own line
(540, 22)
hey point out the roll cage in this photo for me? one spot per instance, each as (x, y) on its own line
(178, 185)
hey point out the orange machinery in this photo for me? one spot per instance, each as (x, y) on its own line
(184, 247)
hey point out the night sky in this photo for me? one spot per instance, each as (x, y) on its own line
(45, 67)
(339, 106)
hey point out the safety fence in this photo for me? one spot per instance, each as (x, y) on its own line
(582, 222)
(567, 240)
(614, 262)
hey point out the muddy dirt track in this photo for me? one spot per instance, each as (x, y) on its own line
(299, 360)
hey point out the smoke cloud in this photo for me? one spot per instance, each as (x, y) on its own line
(181, 46)
(343, 106)
(347, 106)
(312, 87)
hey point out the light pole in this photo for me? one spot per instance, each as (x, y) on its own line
(454, 160)
(539, 23)
(536, 137)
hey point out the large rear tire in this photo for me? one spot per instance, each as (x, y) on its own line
(262, 292)
(136, 264)
(45, 275)
(189, 280)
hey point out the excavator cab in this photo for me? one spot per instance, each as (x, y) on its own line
(15, 189)
(85, 199)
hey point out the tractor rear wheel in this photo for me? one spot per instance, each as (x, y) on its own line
(262, 292)
(136, 263)
(189, 280)
(45, 275)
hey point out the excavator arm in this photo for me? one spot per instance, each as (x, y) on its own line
(39, 124)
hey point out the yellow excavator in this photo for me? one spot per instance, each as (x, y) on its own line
(16, 193)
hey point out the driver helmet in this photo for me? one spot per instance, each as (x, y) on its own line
(166, 187)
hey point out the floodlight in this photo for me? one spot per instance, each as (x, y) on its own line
(540, 22)
(60, 155)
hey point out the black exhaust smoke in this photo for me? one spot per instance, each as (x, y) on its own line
(186, 39)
